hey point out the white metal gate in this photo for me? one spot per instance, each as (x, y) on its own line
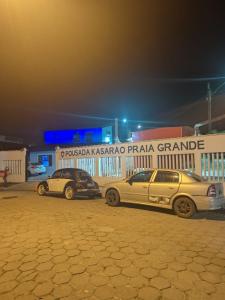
(16, 162)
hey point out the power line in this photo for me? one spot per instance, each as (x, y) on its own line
(188, 79)
(98, 118)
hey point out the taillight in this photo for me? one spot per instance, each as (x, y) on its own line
(211, 191)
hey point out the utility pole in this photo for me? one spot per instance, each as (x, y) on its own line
(116, 138)
(209, 92)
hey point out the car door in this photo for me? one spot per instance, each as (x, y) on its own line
(66, 176)
(164, 186)
(54, 181)
(136, 188)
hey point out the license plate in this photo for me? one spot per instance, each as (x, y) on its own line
(90, 185)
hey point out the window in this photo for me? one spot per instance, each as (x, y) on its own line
(45, 160)
(167, 176)
(83, 175)
(57, 174)
(194, 177)
(142, 177)
(67, 174)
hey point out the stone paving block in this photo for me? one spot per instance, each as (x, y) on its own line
(149, 272)
(148, 293)
(130, 271)
(138, 281)
(7, 286)
(120, 280)
(173, 294)
(160, 283)
(104, 292)
(9, 276)
(211, 277)
(62, 277)
(62, 290)
(77, 269)
(24, 288)
(80, 281)
(126, 292)
(112, 271)
(43, 289)
(204, 286)
(99, 280)
(45, 266)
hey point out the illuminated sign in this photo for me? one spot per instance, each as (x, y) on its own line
(168, 147)
(78, 136)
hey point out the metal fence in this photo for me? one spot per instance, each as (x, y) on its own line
(203, 155)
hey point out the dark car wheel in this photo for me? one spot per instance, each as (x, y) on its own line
(69, 192)
(184, 207)
(112, 197)
(41, 189)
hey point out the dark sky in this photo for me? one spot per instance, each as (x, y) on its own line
(96, 57)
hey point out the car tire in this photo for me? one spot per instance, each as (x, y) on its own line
(112, 197)
(69, 192)
(184, 207)
(41, 189)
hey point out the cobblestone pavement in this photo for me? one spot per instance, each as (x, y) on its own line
(51, 248)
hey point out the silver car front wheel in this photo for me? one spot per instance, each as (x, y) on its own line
(112, 197)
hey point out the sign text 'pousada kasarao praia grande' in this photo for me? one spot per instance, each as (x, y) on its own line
(134, 149)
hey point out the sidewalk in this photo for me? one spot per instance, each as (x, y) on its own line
(24, 186)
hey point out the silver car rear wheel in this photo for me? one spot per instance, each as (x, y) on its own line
(184, 207)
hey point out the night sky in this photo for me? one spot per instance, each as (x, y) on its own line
(103, 58)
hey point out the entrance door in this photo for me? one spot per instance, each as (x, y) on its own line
(136, 189)
(164, 186)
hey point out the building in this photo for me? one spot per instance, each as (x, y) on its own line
(84, 136)
(162, 133)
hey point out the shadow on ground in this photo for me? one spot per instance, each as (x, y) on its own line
(216, 215)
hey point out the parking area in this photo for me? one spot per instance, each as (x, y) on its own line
(52, 248)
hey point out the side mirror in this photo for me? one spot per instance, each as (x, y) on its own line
(129, 181)
(49, 177)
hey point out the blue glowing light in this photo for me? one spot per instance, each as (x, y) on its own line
(124, 120)
(76, 136)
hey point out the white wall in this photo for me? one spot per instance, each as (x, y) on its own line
(16, 162)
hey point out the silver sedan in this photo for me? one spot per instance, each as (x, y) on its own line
(184, 192)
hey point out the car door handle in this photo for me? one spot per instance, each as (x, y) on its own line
(171, 188)
(145, 187)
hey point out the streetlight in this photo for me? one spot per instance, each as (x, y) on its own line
(124, 120)
(139, 126)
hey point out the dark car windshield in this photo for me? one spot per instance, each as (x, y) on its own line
(84, 176)
(194, 176)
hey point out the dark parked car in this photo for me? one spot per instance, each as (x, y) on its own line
(69, 182)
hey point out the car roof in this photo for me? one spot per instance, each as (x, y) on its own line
(71, 169)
